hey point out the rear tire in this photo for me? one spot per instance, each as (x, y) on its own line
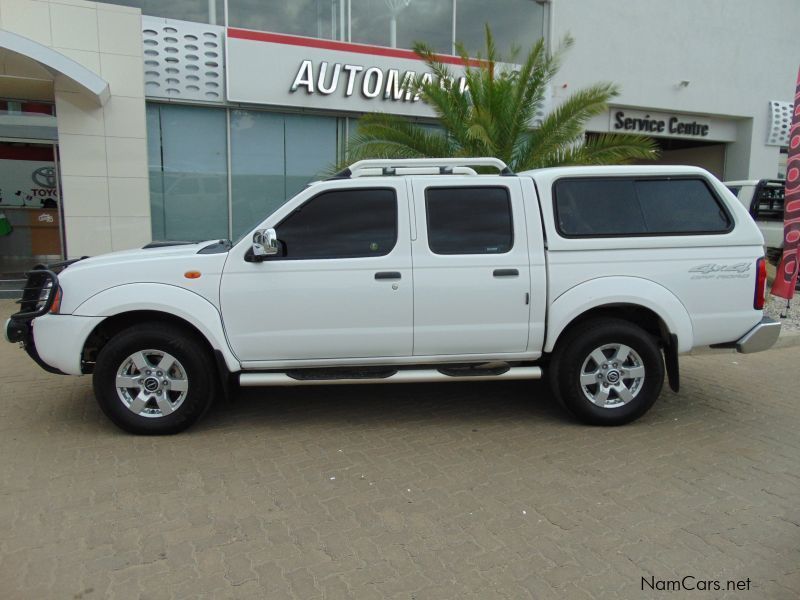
(154, 379)
(607, 372)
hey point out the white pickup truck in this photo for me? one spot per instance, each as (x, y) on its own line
(418, 270)
(763, 199)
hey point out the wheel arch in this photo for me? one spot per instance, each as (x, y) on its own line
(645, 303)
(127, 305)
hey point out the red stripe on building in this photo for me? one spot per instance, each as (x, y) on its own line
(35, 153)
(296, 40)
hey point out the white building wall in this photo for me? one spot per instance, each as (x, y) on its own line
(103, 150)
(737, 55)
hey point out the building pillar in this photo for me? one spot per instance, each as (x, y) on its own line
(102, 147)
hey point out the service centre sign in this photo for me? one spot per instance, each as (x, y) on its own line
(288, 70)
(656, 124)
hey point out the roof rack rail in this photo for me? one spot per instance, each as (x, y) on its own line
(446, 166)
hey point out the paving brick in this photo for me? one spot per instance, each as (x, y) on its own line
(430, 484)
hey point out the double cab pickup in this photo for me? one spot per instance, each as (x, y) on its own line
(419, 270)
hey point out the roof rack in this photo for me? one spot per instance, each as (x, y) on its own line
(446, 166)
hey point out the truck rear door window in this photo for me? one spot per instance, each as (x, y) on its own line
(469, 220)
(620, 206)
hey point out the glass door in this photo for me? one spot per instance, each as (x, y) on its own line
(30, 205)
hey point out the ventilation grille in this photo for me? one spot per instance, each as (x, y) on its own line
(183, 60)
(780, 120)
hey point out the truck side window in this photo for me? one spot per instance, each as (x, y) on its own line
(628, 206)
(469, 220)
(680, 206)
(595, 207)
(341, 224)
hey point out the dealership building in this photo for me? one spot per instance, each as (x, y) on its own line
(130, 121)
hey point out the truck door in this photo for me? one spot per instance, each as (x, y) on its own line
(471, 271)
(340, 287)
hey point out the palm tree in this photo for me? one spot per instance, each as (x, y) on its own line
(494, 117)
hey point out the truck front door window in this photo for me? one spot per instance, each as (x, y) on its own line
(341, 224)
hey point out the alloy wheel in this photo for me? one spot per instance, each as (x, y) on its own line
(612, 375)
(152, 383)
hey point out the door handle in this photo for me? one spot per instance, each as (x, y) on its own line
(388, 275)
(506, 273)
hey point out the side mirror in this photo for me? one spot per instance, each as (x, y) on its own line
(265, 243)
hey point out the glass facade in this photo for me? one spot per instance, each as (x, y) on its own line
(199, 11)
(392, 23)
(216, 171)
(188, 172)
(258, 164)
(377, 22)
(312, 18)
(272, 156)
(517, 23)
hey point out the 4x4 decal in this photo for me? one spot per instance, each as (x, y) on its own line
(717, 271)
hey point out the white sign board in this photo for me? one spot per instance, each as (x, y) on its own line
(27, 183)
(288, 70)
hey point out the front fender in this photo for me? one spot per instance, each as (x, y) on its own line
(619, 290)
(169, 299)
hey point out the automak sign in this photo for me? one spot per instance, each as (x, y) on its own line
(287, 70)
(657, 124)
(370, 82)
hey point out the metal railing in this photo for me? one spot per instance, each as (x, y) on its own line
(427, 166)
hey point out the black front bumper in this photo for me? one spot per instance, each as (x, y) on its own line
(19, 328)
(21, 331)
(17, 331)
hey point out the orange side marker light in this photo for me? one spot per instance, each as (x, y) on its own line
(56, 306)
(192, 274)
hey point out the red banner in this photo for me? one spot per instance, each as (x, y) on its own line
(786, 277)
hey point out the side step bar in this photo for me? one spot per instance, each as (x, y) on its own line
(404, 376)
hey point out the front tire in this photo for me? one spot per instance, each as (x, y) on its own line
(608, 372)
(154, 379)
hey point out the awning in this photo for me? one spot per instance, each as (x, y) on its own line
(57, 63)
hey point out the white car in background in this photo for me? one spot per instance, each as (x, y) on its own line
(763, 199)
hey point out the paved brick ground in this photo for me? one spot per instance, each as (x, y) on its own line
(413, 492)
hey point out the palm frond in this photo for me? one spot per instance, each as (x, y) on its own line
(534, 76)
(495, 115)
(565, 124)
(616, 149)
(390, 136)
